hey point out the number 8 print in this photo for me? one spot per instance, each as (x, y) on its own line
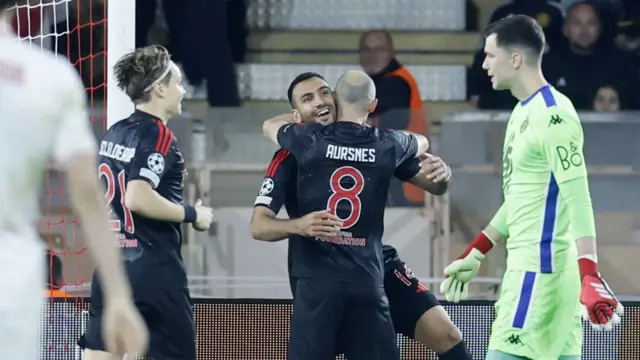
(340, 193)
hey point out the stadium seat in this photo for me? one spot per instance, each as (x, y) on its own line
(358, 14)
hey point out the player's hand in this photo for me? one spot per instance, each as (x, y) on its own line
(599, 306)
(123, 329)
(434, 168)
(204, 218)
(458, 274)
(318, 224)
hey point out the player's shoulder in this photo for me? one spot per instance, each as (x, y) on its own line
(282, 156)
(43, 74)
(555, 108)
(46, 65)
(281, 163)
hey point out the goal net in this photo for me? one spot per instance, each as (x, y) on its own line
(76, 30)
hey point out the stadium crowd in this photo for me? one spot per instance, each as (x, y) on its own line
(595, 37)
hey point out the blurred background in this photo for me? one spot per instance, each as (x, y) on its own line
(425, 57)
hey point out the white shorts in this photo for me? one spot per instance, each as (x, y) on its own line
(22, 279)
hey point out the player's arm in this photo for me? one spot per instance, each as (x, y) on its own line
(264, 224)
(407, 145)
(75, 154)
(497, 231)
(411, 171)
(462, 270)
(272, 127)
(144, 177)
(272, 195)
(562, 144)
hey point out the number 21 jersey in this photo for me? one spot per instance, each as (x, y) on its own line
(141, 147)
(344, 168)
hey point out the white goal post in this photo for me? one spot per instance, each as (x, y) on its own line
(121, 38)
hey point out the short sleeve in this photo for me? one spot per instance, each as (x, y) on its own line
(563, 141)
(152, 158)
(406, 146)
(408, 169)
(73, 134)
(292, 137)
(277, 179)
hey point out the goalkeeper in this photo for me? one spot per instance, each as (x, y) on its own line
(552, 266)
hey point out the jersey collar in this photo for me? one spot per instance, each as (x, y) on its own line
(527, 100)
(142, 115)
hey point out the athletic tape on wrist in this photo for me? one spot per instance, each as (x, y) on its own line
(190, 214)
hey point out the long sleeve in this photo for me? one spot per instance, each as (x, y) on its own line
(499, 221)
(563, 147)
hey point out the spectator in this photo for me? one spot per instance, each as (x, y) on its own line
(629, 27)
(399, 101)
(549, 15)
(585, 54)
(607, 100)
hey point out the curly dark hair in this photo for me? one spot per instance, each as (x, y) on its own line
(137, 71)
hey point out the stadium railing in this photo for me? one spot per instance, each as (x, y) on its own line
(243, 329)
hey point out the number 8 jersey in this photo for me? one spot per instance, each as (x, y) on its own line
(141, 147)
(345, 168)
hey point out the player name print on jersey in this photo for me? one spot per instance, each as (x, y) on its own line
(345, 153)
(116, 151)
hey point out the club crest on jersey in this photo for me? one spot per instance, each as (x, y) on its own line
(155, 162)
(267, 187)
(524, 125)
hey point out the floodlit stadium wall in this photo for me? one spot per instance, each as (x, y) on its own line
(250, 329)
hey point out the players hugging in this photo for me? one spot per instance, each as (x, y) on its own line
(332, 175)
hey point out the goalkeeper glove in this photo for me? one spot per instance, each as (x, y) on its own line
(599, 306)
(459, 273)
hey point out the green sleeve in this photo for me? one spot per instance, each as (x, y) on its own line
(562, 141)
(577, 198)
(499, 221)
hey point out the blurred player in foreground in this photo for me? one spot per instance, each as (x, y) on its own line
(416, 313)
(546, 215)
(44, 115)
(339, 290)
(144, 173)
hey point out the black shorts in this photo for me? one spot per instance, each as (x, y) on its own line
(328, 316)
(166, 308)
(408, 297)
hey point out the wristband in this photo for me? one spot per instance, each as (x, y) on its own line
(588, 266)
(482, 243)
(190, 214)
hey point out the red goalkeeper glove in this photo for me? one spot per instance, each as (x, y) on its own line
(599, 306)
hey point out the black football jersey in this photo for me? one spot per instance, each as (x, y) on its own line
(345, 168)
(279, 187)
(141, 147)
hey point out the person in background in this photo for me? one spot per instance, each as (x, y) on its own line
(550, 17)
(607, 100)
(588, 53)
(628, 37)
(399, 102)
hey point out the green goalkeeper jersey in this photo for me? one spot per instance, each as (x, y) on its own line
(542, 149)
